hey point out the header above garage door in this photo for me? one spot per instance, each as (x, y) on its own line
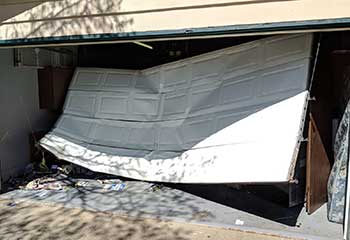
(78, 21)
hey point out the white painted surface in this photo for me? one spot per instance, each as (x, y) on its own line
(206, 119)
(76, 17)
(258, 148)
(10, 9)
(19, 99)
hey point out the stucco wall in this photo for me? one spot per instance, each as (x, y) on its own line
(8, 10)
(19, 112)
(79, 17)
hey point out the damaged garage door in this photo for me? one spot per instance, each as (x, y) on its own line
(233, 115)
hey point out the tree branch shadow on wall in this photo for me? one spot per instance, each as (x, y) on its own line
(18, 29)
(75, 18)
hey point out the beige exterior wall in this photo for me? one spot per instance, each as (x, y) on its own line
(77, 17)
(9, 10)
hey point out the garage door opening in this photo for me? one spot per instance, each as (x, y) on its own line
(311, 116)
(191, 121)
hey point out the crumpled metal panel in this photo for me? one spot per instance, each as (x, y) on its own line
(165, 111)
(338, 176)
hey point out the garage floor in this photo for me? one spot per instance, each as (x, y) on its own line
(139, 199)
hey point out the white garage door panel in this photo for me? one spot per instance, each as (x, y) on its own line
(110, 105)
(81, 103)
(228, 92)
(81, 127)
(146, 105)
(176, 76)
(261, 150)
(87, 80)
(149, 81)
(173, 135)
(118, 80)
(280, 51)
(283, 79)
(207, 119)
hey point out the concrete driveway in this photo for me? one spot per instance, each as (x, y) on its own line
(25, 219)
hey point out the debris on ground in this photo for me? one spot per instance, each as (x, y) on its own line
(54, 167)
(239, 222)
(61, 177)
(43, 167)
(112, 184)
(109, 181)
(49, 173)
(157, 187)
(48, 184)
(115, 187)
(54, 182)
(61, 182)
(11, 204)
(81, 184)
(66, 169)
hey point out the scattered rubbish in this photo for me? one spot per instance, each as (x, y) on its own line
(76, 170)
(115, 187)
(106, 184)
(119, 187)
(61, 177)
(156, 187)
(66, 169)
(36, 184)
(112, 184)
(11, 204)
(81, 184)
(42, 166)
(55, 182)
(239, 222)
(109, 181)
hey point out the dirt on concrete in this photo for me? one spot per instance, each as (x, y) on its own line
(33, 220)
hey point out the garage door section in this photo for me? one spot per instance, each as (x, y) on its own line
(233, 115)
